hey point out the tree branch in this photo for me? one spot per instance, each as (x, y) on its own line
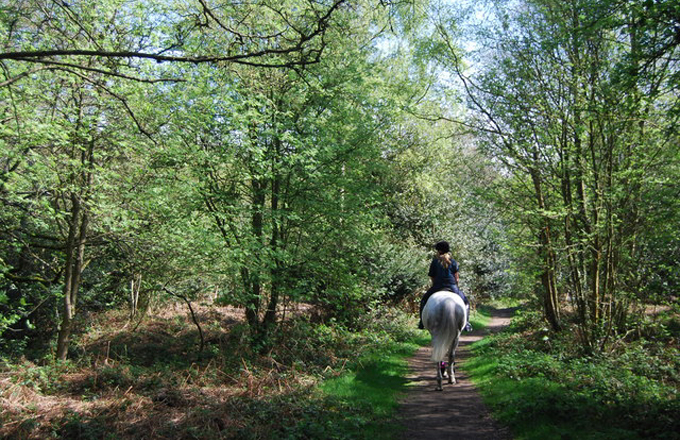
(24, 74)
(95, 70)
(248, 58)
(193, 315)
(115, 95)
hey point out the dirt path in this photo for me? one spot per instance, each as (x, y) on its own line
(457, 412)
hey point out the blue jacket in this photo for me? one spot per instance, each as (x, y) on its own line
(444, 278)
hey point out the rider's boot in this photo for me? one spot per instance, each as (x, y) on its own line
(420, 315)
(468, 326)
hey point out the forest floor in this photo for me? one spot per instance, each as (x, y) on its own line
(458, 412)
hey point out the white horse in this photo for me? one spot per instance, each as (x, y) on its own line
(444, 316)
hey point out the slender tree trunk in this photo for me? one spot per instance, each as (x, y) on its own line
(69, 307)
(550, 294)
(135, 287)
(270, 315)
(252, 304)
(75, 246)
(255, 285)
(75, 253)
(597, 212)
(572, 250)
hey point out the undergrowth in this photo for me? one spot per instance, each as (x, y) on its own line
(317, 381)
(541, 385)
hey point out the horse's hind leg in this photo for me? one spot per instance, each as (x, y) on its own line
(439, 377)
(450, 369)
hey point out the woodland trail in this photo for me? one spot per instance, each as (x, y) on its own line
(457, 412)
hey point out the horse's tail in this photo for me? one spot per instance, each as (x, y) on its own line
(441, 342)
(447, 330)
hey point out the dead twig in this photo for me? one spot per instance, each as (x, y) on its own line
(193, 316)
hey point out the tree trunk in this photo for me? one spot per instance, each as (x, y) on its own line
(75, 253)
(135, 286)
(270, 315)
(550, 294)
(254, 280)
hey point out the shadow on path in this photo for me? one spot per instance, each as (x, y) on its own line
(457, 412)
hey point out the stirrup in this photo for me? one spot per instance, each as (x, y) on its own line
(468, 327)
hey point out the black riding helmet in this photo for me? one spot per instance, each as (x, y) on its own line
(442, 247)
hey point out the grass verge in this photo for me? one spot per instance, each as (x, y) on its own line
(542, 388)
(481, 317)
(371, 391)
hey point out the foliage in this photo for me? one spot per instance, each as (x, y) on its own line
(543, 386)
(296, 160)
(554, 93)
(124, 178)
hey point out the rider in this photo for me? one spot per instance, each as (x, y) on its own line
(444, 276)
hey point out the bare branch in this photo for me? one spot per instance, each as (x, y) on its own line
(209, 14)
(193, 315)
(16, 78)
(95, 70)
(248, 58)
(115, 95)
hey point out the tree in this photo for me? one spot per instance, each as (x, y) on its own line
(64, 158)
(285, 164)
(562, 106)
(72, 62)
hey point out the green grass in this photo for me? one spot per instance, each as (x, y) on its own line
(371, 391)
(541, 388)
(538, 408)
(481, 317)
